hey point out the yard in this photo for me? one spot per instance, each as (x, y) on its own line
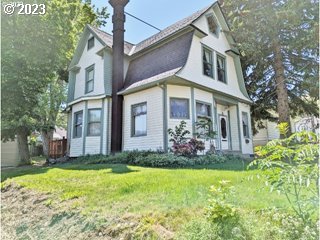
(114, 201)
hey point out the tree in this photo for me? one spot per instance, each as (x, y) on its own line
(279, 45)
(35, 53)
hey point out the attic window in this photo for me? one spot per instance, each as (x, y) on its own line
(90, 43)
(213, 26)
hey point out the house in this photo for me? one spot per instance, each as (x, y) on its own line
(269, 131)
(125, 96)
(10, 153)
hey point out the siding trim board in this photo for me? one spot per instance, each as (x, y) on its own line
(229, 123)
(102, 127)
(215, 116)
(193, 117)
(239, 126)
(85, 112)
(165, 117)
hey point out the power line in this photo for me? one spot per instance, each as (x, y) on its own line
(143, 21)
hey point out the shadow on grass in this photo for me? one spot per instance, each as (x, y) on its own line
(231, 165)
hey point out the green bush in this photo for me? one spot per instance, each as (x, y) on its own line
(154, 159)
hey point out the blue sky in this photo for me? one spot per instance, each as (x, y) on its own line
(160, 13)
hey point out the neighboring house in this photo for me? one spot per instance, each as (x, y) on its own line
(298, 124)
(10, 154)
(188, 71)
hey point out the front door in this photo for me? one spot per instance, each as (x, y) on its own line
(224, 132)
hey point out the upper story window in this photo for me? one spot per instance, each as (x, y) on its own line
(213, 25)
(94, 122)
(89, 79)
(207, 62)
(221, 69)
(179, 108)
(245, 124)
(77, 125)
(139, 119)
(90, 43)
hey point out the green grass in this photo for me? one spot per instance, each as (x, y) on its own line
(116, 189)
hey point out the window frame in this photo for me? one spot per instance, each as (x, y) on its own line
(90, 122)
(88, 46)
(75, 125)
(188, 107)
(205, 48)
(216, 33)
(133, 120)
(203, 116)
(248, 125)
(89, 69)
(219, 55)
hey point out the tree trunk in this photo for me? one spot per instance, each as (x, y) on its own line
(46, 136)
(281, 88)
(22, 137)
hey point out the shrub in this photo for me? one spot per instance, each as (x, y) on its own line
(291, 167)
(188, 149)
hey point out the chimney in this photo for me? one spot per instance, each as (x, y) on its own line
(118, 20)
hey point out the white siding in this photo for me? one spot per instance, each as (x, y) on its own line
(154, 138)
(88, 58)
(92, 143)
(234, 128)
(193, 69)
(9, 154)
(179, 92)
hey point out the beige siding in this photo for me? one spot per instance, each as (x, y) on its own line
(9, 154)
(154, 138)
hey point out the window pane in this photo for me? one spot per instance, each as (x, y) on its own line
(212, 25)
(90, 43)
(139, 109)
(179, 108)
(78, 131)
(90, 75)
(245, 124)
(223, 128)
(221, 69)
(78, 118)
(203, 109)
(207, 62)
(140, 124)
(94, 129)
(94, 115)
(89, 86)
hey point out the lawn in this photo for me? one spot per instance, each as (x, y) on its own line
(173, 195)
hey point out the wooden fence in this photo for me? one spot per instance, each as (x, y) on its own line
(57, 148)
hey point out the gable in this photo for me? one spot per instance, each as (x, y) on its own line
(82, 44)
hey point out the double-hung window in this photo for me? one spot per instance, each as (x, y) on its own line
(139, 119)
(94, 122)
(77, 126)
(179, 108)
(245, 124)
(207, 62)
(89, 79)
(221, 69)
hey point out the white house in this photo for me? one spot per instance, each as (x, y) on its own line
(188, 71)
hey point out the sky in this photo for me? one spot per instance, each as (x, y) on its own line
(160, 13)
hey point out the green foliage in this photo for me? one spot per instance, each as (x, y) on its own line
(291, 167)
(178, 135)
(153, 159)
(255, 26)
(219, 210)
